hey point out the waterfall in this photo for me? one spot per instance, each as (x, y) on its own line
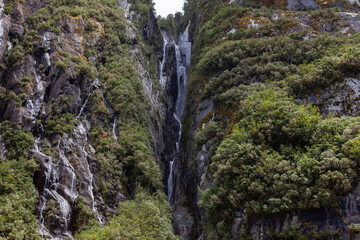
(70, 192)
(170, 181)
(93, 85)
(50, 190)
(39, 98)
(114, 126)
(48, 165)
(182, 55)
(80, 134)
(40, 93)
(163, 78)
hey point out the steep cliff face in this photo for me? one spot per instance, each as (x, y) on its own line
(173, 77)
(240, 52)
(79, 92)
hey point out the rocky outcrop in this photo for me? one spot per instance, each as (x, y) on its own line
(123, 4)
(341, 98)
(347, 23)
(333, 223)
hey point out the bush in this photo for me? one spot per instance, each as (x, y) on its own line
(281, 156)
(145, 217)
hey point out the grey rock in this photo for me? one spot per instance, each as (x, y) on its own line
(341, 98)
(183, 222)
(205, 107)
(119, 198)
(123, 4)
(4, 30)
(3, 150)
(309, 4)
(295, 4)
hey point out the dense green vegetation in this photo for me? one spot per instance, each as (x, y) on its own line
(282, 156)
(17, 191)
(271, 154)
(145, 217)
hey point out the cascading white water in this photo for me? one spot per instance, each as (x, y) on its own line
(48, 165)
(39, 97)
(40, 93)
(183, 53)
(114, 126)
(163, 77)
(80, 133)
(170, 181)
(70, 192)
(93, 85)
(185, 46)
(51, 187)
(63, 169)
(180, 127)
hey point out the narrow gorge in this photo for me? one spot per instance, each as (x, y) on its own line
(229, 120)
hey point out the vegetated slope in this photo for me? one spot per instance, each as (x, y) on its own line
(81, 117)
(267, 165)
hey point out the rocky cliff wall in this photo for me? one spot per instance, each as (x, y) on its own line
(76, 78)
(210, 117)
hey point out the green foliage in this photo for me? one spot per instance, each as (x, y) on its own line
(270, 153)
(58, 125)
(171, 24)
(84, 216)
(17, 192)
(145, 217)
(338, 63)
(281, 156)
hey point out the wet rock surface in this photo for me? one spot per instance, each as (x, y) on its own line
(68, 166)
(173, 77)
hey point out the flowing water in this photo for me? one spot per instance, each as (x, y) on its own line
(63, 169)
(82, 140)
(50, 191)
(182, 54)
(163, 77)
(114, 125)
(35, 106)
(93, 85)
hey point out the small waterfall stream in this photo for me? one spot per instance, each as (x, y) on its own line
(39, 97)
(51, 187)
(81, 135)
(53, 172)
(60, 177)
(93, 85)
(163, 77)
(114, 126)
